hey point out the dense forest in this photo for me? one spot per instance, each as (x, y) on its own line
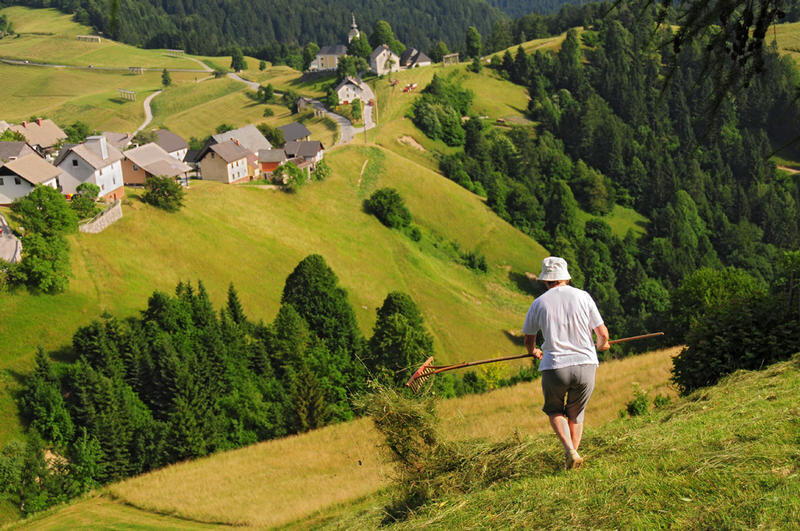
(622, 120)
(518, 8)
(210, 27)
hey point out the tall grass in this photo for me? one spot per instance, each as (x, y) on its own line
(726, 457)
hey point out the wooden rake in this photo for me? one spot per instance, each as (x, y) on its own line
(428, 369)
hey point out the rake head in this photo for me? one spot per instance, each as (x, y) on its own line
(416, 380)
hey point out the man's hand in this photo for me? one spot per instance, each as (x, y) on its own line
(537, 353)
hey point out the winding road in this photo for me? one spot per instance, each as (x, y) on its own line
(346, 130)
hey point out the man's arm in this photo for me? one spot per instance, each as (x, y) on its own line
(530, 344)
(601, 341)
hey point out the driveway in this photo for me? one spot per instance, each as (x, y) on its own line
(10, 246)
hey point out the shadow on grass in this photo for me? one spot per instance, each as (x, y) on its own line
(526, 284)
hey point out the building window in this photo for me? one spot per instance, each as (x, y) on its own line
(1, 181)
(74, 162)
(17, 180)
(135, 167)
(102, 186)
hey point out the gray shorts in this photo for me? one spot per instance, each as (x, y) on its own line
(575, 383)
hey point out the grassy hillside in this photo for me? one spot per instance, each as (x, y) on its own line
(255, 237)
(279, 481)
(49, 36)
(68, 95)
(196, 109)
(724, 458)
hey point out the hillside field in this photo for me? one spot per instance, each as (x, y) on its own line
(50, 36)
(725, 457)
(281, 481)
(254, 238)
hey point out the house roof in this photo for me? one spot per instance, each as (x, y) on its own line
(33, 168)
(14, 150)
(412, 56)
(304, 149)
(349, 80)
(90, 151)
(118, 140)
(248, 136)
(271, 155)
(378, 50)
(170, 142)
(336, 49)
(229, 150)
(294, 130)
(43, 132)
(156, 161)
(422, 58)
(4, 125)
(193, 155)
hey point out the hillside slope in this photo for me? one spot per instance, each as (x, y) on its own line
(726, 457)
(254, 238)
(279, 481)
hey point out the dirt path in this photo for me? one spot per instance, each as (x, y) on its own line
(363, 167)
(148, 113)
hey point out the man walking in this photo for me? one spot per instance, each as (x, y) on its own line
(567, 317)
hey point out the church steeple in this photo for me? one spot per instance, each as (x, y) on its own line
(353, 33)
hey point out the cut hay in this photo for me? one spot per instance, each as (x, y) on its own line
(428, 467)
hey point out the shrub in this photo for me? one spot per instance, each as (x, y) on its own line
(661, 401)
(639, 404)
(415, 234)
(475, 260)
(388, 206)
(84, 201)
(321, 172)
(164, 193)
(747, 336)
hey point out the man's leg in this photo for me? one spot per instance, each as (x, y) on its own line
(559, 424)
(575, 432)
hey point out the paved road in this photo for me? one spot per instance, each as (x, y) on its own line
(19, 62)
(148, 113)
(10, 246)
(346, 129)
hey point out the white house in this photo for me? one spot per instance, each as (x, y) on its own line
(383, 60)
(350, 89)
(20, 175)
(413, 58)
(94, 161)
(172, 144)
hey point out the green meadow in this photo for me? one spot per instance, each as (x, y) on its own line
(254, 238)
(49, 36)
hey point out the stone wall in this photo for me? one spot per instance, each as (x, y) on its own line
(103, 220)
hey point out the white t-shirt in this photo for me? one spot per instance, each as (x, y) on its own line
(566, 316)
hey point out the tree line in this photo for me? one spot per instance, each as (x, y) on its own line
(622, 121)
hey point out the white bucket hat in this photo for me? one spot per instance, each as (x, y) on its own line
(554, 268)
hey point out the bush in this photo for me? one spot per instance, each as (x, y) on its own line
(415, 234)
(639, 404)
(164, 193)
(475, 260)
(388, 206)
(321, 172)
(84, 201)
(661, 401)
(749, 335)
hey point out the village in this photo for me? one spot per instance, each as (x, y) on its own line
(37, 152)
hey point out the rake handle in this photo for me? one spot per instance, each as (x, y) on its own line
(520, 356)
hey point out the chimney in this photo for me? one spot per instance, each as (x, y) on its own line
(39, 121)
(237, 141)
(98, 145)
(24, 123)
